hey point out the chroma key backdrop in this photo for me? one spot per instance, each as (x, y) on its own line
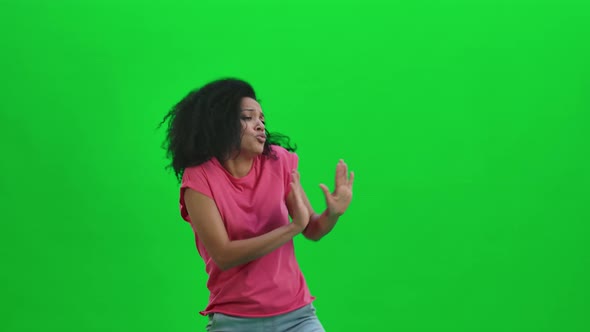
(466, 124)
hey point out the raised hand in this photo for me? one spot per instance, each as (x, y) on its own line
(339, 200)
(300, 212)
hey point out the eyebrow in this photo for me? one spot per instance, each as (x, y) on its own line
(252, 110)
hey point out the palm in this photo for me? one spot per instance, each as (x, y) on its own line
(338, 201)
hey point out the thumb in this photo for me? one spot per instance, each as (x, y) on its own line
(325, 190)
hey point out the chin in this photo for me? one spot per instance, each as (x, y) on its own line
(254, 149)
(260, 148)
(255, 152)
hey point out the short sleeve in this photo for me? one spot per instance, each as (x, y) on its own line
(195, 179)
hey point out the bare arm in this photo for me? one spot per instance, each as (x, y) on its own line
(319, 224)
(210, 229)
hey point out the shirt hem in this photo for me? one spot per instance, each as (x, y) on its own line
(236, 314)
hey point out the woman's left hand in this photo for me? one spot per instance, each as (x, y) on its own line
(338, 201)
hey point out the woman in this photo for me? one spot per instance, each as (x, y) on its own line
(239, 185)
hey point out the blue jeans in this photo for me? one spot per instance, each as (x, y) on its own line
(300, 320)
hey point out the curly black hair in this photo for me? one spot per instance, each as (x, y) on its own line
(206, 124)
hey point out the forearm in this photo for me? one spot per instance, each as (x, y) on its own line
(239, 252)
(320, 225)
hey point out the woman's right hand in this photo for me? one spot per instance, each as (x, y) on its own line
(300, 210)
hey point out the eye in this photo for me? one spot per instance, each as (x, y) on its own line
(246, 118)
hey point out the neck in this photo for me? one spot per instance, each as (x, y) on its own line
(239, 166)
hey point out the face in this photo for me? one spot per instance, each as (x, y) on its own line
(252, 119)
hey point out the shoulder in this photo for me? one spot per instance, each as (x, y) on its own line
(193, 171)
(281, 152)
(197, 179)
(200, 173)
(284, 157)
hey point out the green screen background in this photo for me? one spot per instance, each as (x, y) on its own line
(466, 123)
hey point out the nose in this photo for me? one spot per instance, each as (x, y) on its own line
(259, 125)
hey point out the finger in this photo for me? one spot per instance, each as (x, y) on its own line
(325, 190)
(344, 173)
(336, 173)
(351, 181)
(340, 175)
(295, 176)
(296, 193)
(345, 170)
(297, 183)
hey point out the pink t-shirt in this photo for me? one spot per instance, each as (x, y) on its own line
(250, 206)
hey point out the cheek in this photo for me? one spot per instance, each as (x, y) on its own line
(247, 128)
(244, 129)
